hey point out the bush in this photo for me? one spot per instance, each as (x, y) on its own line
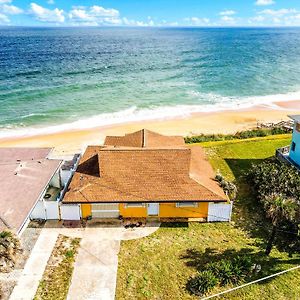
(228, 187)
(202, 283)
(239, 135)
(10, 249)
(275, 177)
(220, 273)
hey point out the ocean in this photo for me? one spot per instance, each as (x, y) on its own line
(53, 79)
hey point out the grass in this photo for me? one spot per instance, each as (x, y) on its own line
(158, 266)
(57, 275)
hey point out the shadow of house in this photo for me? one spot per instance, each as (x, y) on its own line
(90, 166)
(240, 167)
(269, 265)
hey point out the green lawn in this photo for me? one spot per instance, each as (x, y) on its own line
(158, 266)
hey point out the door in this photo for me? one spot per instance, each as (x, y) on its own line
(70, 212)
(153, 209)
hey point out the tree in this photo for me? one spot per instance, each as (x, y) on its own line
(279, 209)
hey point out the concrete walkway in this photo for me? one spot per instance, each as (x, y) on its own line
(95, 270)
(35, 265)
(32, 273)
(96, 266)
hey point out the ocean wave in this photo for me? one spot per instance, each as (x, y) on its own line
(33, 115)
(213, 103)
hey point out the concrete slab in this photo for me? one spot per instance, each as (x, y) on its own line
(96, 266)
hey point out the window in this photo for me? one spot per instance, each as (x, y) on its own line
(128, 205)
(293, 148)
(186, 204)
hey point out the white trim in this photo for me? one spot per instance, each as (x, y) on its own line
(23, 227)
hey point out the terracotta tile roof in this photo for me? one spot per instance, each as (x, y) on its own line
(202, 171)
(22, 182)
(146, 174)
(144, 139)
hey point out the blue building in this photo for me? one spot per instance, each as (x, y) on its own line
(291, 153)
(294, 153)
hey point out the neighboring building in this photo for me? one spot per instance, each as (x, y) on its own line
(26, 175)
(294, 153)
(32, 186)
(142, 175)
(291, 154)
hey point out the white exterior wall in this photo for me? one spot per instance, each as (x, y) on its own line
(219, 212)
(55, 180)
(65, 176)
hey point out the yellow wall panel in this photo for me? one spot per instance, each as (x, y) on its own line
(169, 210)
(132, 212)
(86, 210)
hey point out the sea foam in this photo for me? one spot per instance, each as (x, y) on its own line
(214, 103)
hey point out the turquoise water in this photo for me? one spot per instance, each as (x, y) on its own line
(56, 78)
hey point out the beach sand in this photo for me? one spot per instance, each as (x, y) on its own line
(69, 142)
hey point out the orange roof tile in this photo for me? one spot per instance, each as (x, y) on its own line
(145, 173)
(144, 139)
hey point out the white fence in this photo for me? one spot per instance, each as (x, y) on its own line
(219, 212)
(45, 210)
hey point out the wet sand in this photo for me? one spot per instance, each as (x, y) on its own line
(69, 142)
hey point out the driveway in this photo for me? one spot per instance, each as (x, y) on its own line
(95, 270)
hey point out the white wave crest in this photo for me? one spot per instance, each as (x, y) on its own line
(212, 102)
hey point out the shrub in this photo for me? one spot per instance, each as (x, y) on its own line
(202, 283)
(10, 249)
(231, 271)
(221, 273)
(239, 135)
(228, 187)
(275, 177)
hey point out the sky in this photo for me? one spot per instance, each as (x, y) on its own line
(200, 13)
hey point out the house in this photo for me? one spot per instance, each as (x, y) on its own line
(291, 153)
(32, 186)
(26, 175)
(142, 175)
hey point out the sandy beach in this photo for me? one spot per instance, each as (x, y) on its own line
(68, 142)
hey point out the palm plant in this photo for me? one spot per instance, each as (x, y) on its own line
(278, 208)
(10, 248)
